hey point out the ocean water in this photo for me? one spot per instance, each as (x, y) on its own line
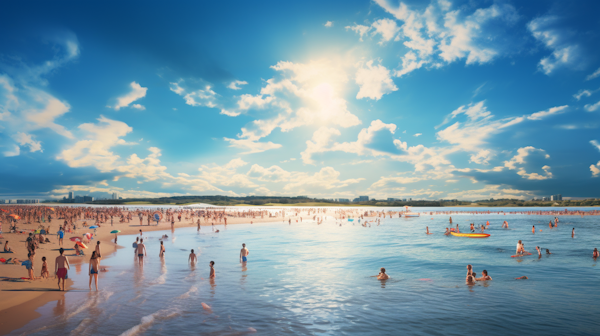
(309, 279)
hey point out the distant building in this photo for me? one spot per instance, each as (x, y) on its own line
(301, 196)
(70, 195)
(87, 199)
(343, 200)
(545, 198)
(115, 196)
(393, 199)
(363, 198)
(556, 197)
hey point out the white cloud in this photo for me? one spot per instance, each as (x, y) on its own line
(438, 36)
(542, 114)
(251, 146)
(27, 140)
(564, 52)
(206, 97)
(595, 144)
(519, 161)
(320, 143)
(148, 168)
(595, 169)
(328, 24)
(417, 134)
(45, 116)
(491, 191)
(482, 157)
(384, 182)
(592, 107)
(137, 92)
(95, 150)
(327, 178)
(230, 113)
(386, 28)
(271, 174)
(374, 81)
(596, 74)
(138, 107)
(14, 152)
(582, 93)
(361, 30)
(235, 84)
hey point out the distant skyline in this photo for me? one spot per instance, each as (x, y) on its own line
(414, 99)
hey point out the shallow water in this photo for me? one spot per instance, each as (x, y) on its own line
(314, 279)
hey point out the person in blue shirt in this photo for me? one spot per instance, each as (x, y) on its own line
(61, 235)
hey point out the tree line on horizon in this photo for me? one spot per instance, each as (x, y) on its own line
(275, 200)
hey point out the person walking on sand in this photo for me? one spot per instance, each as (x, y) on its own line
(192, 258)
(244, 253)
(44, 274)
(61, 265)
(94, 269)
(141, 251)
(61, 235)
(162, 250)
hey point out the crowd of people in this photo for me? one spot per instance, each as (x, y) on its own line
(69, 217)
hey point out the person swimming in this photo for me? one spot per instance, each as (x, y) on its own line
(596, 254)
(524, 277)
(471, 278)
(548, 251)
(484, 277)
(382, 275)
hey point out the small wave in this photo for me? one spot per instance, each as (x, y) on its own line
(187, 294)
(98, 297)
(82, 326)
(149, 320)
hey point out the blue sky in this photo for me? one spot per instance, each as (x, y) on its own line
(416, 99)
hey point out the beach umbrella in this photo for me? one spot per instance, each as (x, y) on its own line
(26, 263)
(115, 231)
(93, 226)
(82, 245)
(88, 235)
(75, 239)
(3, 210)
(15, 216)
(43, 231)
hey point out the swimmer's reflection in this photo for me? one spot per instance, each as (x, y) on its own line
(244, 275)
(60, 307)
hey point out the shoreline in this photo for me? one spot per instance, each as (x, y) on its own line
(19, 309)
